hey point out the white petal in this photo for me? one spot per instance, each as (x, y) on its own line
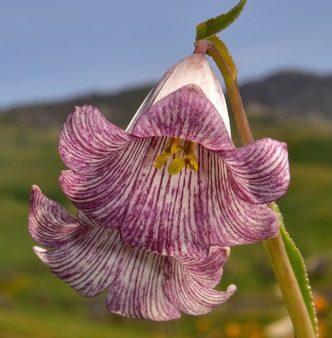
(193, 70)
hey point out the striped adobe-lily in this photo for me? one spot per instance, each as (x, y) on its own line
(159, 203)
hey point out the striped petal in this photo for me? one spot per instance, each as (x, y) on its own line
(260, 171)
(49, 223)
(207, 271)
(188, 114)
(98, 260)
(141, 284)
(188, 293)
(88, 141)
(138, 289)
(232, 221)
(193, 70)
(84, 262)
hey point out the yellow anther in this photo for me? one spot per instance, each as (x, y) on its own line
(176, 165)
(191, 161)
(189, 155)
(189, 148)
(160, 160)
(173, 146)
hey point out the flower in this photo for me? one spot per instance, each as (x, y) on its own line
(141, 284)
(174, 183)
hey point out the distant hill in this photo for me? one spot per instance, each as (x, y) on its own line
(118, 107)
(284, 95)
(290, 94)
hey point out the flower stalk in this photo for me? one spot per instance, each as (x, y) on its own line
(275, 248)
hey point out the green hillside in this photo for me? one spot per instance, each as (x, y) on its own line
(34, 303)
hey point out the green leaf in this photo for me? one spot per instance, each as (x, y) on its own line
(299, 269)
(217, 24)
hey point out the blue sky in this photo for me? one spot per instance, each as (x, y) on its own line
(54, 49)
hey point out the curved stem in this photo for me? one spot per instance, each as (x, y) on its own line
(275, 247)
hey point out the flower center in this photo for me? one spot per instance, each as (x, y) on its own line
(183, 153)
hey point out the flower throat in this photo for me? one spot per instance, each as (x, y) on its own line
(176, 147)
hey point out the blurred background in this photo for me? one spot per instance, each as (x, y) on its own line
(54, 55)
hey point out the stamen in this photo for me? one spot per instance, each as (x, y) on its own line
(192, 162)
(189, 155)
(160, 160)
(173, 147)
(176, 166)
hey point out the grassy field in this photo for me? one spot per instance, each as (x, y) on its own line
(34, 303)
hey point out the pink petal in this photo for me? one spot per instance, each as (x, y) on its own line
(260, 171)
(232, 220)
(193, 70)
(98, 260)
(207, 271)
(187, 114)
(88, 141)
(190, 293)
(138, 291)
(49, 223)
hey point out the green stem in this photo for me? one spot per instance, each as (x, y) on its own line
(275, 247)
(289, 287)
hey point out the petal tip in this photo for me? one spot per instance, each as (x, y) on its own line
(85, 107)
(35, 193)
(38, 250)
(35, 189)
(231, 289)
(41, 253)
(227, 251)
